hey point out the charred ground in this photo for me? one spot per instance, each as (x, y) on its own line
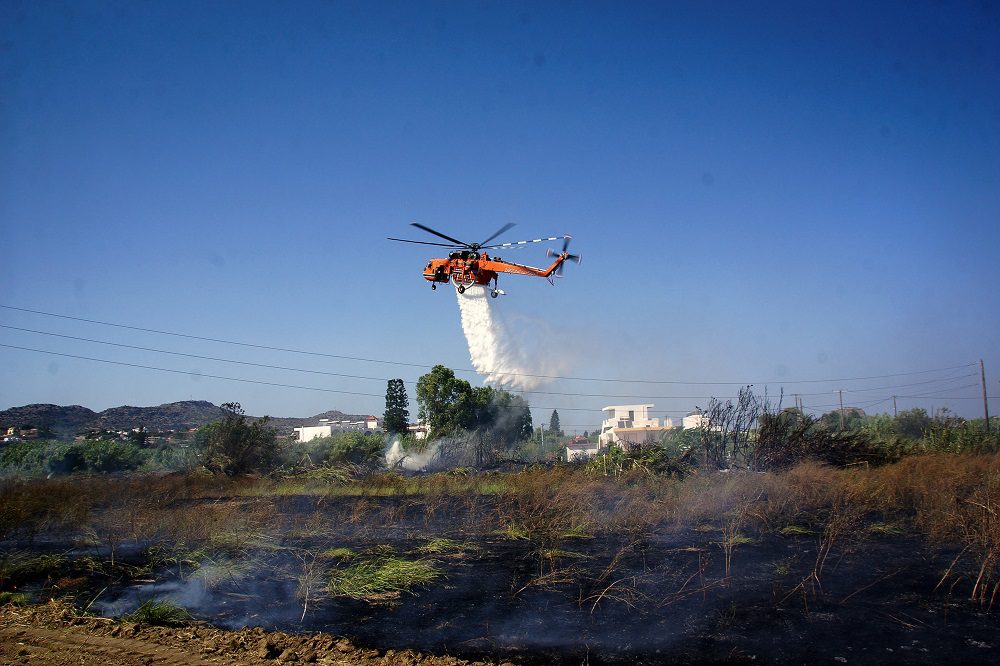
(543, 565)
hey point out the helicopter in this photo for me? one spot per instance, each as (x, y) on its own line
(468, 264)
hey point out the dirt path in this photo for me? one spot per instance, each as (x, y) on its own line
(34, 645)
(54, 634)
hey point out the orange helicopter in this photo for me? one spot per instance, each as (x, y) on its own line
(468, 265)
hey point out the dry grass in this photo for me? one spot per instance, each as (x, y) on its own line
(953, 500)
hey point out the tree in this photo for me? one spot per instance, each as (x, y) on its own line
(912, 423)
(853, 419)
(397, 407)
(444, 402)
(236, 446)
(554, 423)
(449, 405)
(138, 436)
(679, 441)
(508, 418)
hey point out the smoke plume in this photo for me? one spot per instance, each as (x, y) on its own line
(503, 359)
(409, 460)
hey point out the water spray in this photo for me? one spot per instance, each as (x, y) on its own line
(491, 345)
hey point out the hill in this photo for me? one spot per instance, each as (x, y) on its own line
(60, 420)
(65, 422)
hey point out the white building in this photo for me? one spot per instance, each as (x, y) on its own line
(694, 420)
(328, 428)
(581, 447)
(631, 424)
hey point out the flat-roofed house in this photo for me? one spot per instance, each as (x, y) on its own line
(631, 424)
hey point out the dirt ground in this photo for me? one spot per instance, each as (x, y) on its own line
(54, 633)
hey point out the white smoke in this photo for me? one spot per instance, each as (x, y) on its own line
(493, 350)
(415, 462)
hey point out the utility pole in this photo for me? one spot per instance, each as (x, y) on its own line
(893, 406)
(797, 406)
(841, 392)
(986, 405)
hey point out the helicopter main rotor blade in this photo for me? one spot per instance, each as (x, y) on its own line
(439, 234)
(502, 229)
(407, 240)
(524, 242)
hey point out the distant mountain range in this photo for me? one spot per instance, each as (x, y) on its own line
(65, 422)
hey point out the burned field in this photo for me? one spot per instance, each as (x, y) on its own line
(539, 566)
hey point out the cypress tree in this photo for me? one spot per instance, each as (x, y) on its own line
(397, 403)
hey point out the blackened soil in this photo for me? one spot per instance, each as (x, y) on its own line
(660, 597)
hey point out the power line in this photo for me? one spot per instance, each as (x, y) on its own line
(186, 355)
(375, 395)
(188, 372)
(348, 376)
(362, 377)
(469, 370)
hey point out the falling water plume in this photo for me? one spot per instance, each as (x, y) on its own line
(493, 349)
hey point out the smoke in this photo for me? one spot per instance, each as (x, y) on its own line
(409, 460)
(505, 360)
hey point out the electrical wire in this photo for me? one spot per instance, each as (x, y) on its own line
(197, 356)
(189, 373)
(362, 377)
(468, 370)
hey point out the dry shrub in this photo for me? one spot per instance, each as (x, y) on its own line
(930, 486)
(359, 510)
(955, 499)
(383, 484)
(308, 527)
(977, 518)
(789, 495)
(30, 507)
(643, 507)
(230, 526)
(546, 504)
(710, 496)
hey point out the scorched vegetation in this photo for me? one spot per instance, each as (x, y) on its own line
(778, 539)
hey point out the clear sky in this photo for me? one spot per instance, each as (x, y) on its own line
(763, 192)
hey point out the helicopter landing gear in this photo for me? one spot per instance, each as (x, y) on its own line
(494, 293)
(433, 287)
(461, 289)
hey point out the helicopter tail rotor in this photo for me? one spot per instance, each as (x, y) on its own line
(575, 258)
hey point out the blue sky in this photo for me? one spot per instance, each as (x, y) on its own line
(762, 192)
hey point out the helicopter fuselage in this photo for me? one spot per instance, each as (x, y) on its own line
(467, 267)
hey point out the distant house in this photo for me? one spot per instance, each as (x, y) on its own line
(418, 430)
(698, 420)
(581, 447)
(328, 428)
(694, 420)
(631, 424)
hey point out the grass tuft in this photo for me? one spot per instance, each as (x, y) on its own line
(14, 598)
(381, 578)
(893, 528)
(796, 530)
(159, 613)
(442, 546)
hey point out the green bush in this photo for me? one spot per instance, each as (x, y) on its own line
(35, 458)
(356, 448)
(105, 456)
(236, 445)
(952, 435)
